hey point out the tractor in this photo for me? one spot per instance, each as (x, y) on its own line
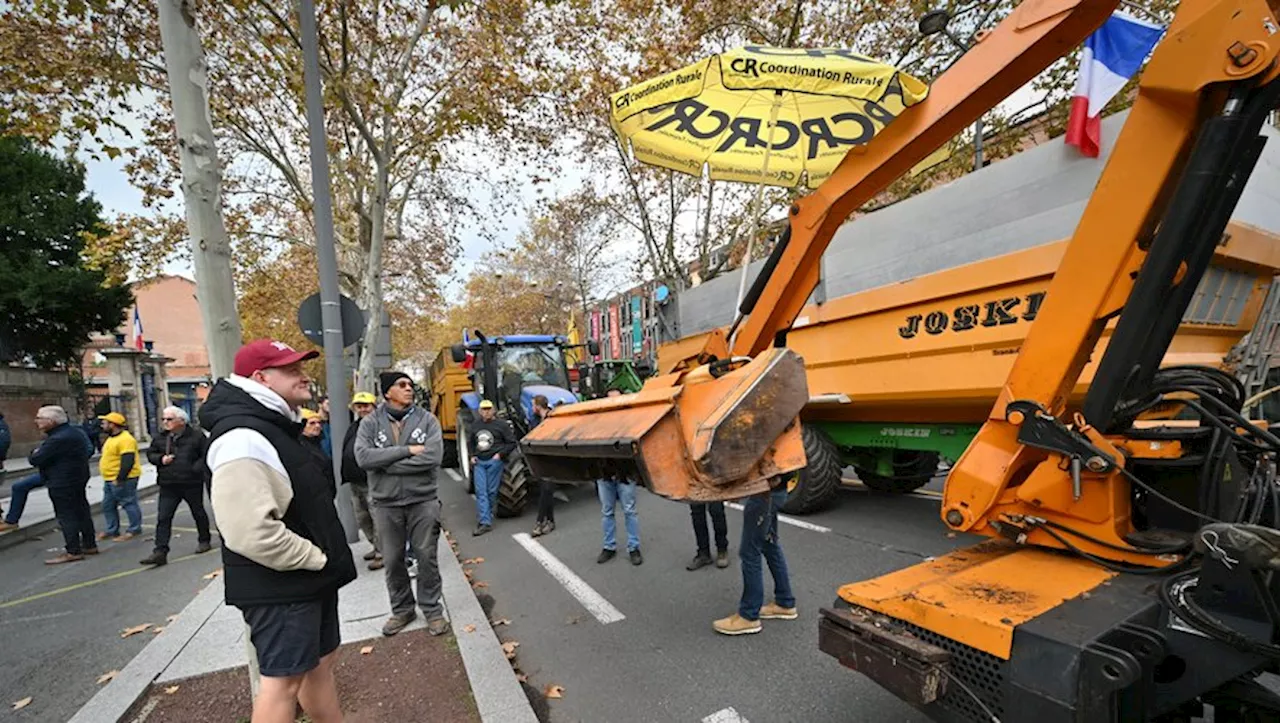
(510, 371)
(596, 378)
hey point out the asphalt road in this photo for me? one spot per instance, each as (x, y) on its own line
(662, 661)
(60, 625)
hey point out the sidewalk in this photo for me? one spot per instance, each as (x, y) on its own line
(38, 518)
(209, 636)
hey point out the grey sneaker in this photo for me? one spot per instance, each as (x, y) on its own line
(722, 559)
(699, 561)
(396, 623)
(437, 626)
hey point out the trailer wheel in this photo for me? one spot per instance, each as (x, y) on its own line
(816, 485)
(911, 471)
(450, 458)
(462, 453)
(513, 492)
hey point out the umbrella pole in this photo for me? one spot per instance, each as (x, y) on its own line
(755, 216)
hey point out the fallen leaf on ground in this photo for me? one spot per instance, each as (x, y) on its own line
(134, 630)
(510, 649)
(480, 584)
(499, 621)
(554, 691)
(158, 629)
(171, 690)
(171, 618)
(213, 574)
(20, 704)
(473, 561)
(366, 650)
(522, 678)
(951, 535)
(107, 676)
(469, 628)
(468, 573)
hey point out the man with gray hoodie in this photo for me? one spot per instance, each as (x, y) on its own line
(400, 446)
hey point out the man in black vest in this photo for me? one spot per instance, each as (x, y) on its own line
(284, 551)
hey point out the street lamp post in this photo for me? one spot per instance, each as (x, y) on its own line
(936, 22)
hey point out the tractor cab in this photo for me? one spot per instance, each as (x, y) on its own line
(510, 371)
(596, 378)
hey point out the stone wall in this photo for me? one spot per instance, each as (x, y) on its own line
(22, 392)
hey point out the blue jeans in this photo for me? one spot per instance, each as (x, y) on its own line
(488, 479)
(760, 538)
(611, 492)
(19, 492)
(126, 496)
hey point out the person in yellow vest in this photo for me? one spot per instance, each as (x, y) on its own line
(120, 467)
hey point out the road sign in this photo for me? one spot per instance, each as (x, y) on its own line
(313, 329)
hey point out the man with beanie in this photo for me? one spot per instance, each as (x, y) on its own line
(362, 403)
(284, 552)
(400, 447)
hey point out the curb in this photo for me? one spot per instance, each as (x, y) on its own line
(43, 527)
(114, 701)
(498, 695)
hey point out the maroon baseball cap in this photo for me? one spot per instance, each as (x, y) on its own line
(268, 354)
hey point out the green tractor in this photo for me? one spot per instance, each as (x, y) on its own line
(596, 378)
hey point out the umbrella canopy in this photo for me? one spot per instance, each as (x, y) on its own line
(717, 113)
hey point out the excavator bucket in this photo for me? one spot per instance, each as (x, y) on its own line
(700, 436)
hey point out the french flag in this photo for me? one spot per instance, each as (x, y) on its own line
(1112, 55)
(137, 329)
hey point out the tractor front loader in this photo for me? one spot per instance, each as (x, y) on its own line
(1131, 570)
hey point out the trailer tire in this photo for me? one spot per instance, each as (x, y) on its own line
(450, 458)
(912, 470)
(517, 481)
(816, 485)
(462, 453)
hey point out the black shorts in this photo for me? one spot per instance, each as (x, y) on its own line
(290, 639)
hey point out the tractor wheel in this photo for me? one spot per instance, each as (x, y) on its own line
(517, 483)
(911, 471)
(463, 453)
(815, 487)
(450, 458)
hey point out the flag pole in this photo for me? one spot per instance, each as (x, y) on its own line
(755, 214)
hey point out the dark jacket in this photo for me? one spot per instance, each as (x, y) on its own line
(188, 449)
(63, 457)
(310, 514)
(315, 447)
(485, 439)
(351, 471)
(6, 438)
(397, 478)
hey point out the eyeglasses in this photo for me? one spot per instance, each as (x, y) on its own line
(168, 419)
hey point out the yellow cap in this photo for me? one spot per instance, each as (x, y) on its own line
(486, 404)
(114, 418)
(364, 398)
(309, 413)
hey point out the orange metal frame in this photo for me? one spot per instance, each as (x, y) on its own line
(998, 478)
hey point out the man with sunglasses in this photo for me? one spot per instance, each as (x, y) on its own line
(400, 447)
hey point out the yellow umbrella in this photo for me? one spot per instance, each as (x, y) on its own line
(717, 113)
(775, 116)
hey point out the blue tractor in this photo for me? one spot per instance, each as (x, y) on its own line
(510, 371)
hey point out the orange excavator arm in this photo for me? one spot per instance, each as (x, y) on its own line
(722, 430)
(1032, 37)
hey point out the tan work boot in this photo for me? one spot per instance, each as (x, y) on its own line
(437, 626)
(125, 537)
(774, 611)
(63, 558)
(396, 623)
(5, 527)
(735, 624)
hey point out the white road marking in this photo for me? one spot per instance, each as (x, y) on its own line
(787, 519)
(728, 715)
(593, 601)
